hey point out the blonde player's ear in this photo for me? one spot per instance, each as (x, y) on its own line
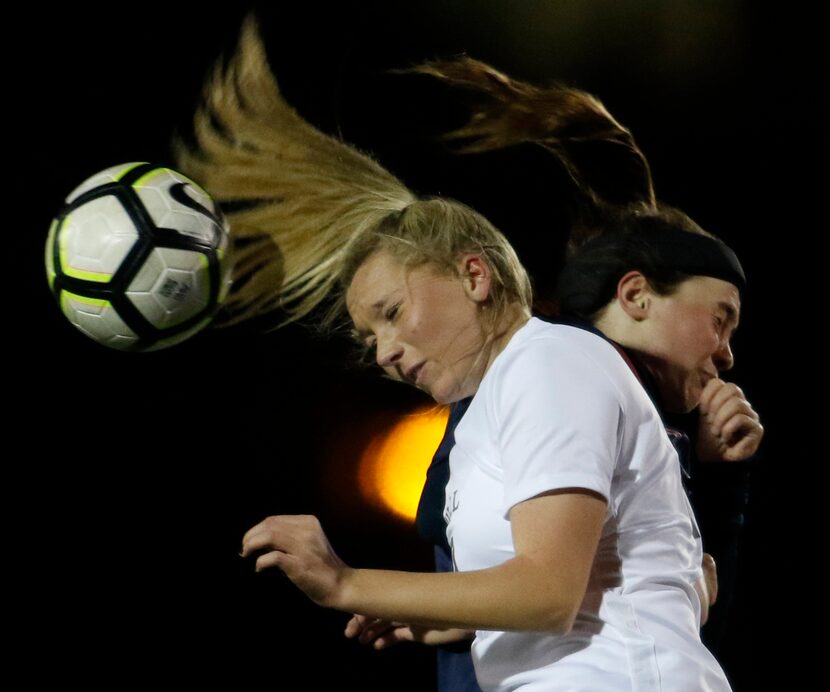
(476, 276)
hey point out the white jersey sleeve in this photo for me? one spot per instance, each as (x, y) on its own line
(558, 413)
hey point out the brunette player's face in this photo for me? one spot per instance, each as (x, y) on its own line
(689, 338)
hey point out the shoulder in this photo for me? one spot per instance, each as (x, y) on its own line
(561, 351)
(558, 370)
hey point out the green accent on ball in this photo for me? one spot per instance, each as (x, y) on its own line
(80, 273)
(144, 179)
(86, 276)
(68, 269)
(127, 168)
(86, 300)
(50, 248)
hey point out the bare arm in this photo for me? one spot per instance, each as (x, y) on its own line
(541, 588)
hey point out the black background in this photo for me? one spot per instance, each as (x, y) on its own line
(131, 478)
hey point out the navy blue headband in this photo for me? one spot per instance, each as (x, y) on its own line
(697, 254)
(690, 253)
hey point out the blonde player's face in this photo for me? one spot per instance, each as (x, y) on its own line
(424, 326)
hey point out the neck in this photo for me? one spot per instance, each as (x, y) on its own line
(496, 339)
(610, 323)
(620, 332)
(513, 319)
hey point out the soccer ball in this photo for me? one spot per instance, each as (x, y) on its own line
(136, 258)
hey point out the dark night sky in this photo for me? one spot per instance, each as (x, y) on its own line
(139, 473)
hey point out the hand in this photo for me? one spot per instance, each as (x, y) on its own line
(730, 429)
(297, 546)
(707, 587)
(382, 634)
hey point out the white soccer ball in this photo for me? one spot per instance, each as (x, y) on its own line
(137, 257)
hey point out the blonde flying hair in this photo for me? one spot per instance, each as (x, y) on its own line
(306, 210)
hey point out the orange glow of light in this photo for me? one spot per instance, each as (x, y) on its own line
(393, 466)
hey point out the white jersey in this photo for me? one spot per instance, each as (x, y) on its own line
(560, 408)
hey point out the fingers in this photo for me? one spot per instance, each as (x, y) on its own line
(727, 403)
(450, 636)
(742, 435)
(379, 633)
(393, 636)
(721, 400)
(398, 633)
(711, 388)
(710, 575)
(382, 634)
(355, 626)
(361, 627)
(275, 558)
(707, 587)
(730, 428)
(297, 546)
(272, 541)
(281, 532)
(700, 587)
